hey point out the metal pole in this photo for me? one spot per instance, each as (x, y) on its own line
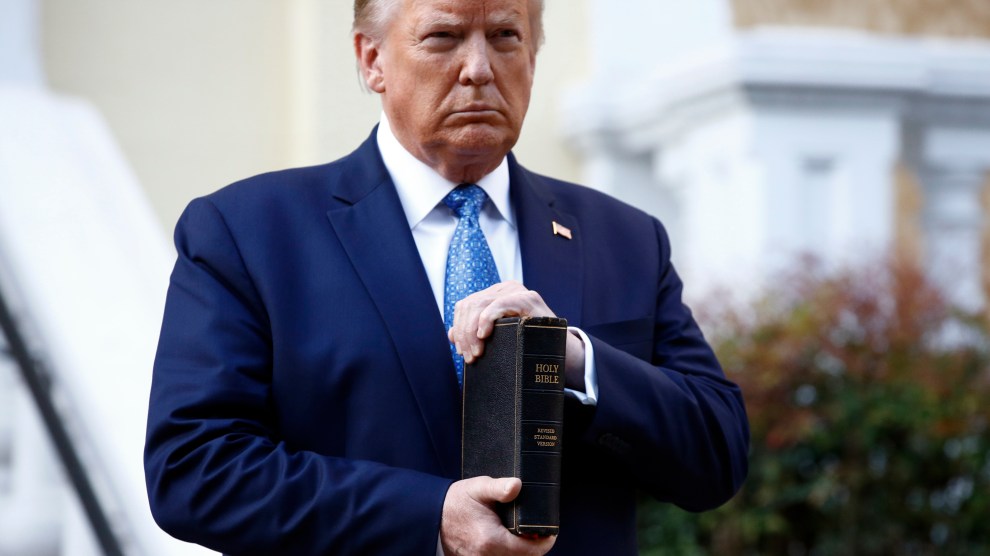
(41, 393)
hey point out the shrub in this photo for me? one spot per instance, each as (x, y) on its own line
(869, 405)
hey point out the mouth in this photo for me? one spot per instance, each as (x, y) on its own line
(477, 108)
(479, 113)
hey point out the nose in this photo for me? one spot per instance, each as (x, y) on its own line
(476, 68)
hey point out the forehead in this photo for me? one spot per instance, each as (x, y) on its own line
(464, 11)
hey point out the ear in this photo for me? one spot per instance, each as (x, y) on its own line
(368, 52)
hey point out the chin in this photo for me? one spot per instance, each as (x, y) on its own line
(482, 140)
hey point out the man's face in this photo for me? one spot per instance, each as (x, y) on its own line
(455, 79)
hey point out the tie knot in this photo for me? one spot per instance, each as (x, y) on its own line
(466, 200)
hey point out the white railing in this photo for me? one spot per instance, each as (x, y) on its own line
(83, 251)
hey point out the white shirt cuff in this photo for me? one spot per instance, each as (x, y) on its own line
(590, 394)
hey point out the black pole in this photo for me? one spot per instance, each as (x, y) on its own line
(41, 393)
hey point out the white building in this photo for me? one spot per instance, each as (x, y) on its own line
(756, 141)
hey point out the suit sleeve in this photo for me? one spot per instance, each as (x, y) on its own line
(217, 473)
(675, 422)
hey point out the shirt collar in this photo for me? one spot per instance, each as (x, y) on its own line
(421, 188)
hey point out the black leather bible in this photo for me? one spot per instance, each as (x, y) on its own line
(513, 418)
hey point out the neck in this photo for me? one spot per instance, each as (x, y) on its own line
(458, 165)
(466, 173)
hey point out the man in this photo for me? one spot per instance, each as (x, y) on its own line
(305, 398)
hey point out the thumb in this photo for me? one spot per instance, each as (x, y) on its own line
(505, 489)
(487, 490)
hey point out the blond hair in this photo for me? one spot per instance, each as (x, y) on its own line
(371, 16)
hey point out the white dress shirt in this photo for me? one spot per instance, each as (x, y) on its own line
(422, 190)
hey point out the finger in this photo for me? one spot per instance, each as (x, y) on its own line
(465, 313)
(473, 346)
(506, 489)
(475, 315)
(459, 326)
(524, 303)
(504, 305)
(465, 325)
(529, 545)
(486, 323)
(488, 490)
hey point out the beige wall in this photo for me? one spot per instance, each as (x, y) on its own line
(200, 94)
(949, 18)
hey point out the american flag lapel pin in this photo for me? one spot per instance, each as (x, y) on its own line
(559, 230)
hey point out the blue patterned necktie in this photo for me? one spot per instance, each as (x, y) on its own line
(470, 266)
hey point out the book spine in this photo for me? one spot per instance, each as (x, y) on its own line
(539, 425)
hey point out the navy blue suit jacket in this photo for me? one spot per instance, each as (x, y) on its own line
(304, 400)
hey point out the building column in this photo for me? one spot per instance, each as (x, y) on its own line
(953, 219)
(20, 51)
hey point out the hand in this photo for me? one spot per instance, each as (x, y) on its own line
(475, 316)
(469, 525)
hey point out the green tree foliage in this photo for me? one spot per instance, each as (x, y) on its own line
(869, 403)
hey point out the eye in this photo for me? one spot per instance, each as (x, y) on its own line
(506, 39)
(439, 41)
(506, 34)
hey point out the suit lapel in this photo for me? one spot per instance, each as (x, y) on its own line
(373, 230)
(552, 264)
